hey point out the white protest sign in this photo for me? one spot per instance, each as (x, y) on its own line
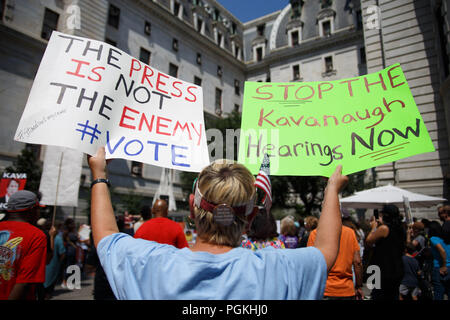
(66, 164)
(88, 94)
(407, 207)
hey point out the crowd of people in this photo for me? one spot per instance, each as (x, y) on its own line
(413, 260)
(238, 252)
(66, 245)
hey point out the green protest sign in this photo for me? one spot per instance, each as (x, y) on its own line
(308, 128)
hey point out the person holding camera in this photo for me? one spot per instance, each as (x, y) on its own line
(387, 237)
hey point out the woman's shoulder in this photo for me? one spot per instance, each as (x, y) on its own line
(384, 230)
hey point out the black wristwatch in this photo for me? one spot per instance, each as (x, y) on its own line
(100, 181)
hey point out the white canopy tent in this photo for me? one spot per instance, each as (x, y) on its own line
(377, 197)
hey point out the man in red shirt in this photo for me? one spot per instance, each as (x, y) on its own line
(23, 248)
(161, 229)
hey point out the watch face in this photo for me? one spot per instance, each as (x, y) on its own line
(223, 214)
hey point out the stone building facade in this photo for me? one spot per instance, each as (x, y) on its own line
(416, 35)
(201, 42)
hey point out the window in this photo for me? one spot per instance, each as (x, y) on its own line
(176, 8)
(2, 8)
(199, 58)
(236, 52)
(136, 168)
(173, 70)
(175, 44)
(216, 15)
(50, 23)
(219, 71)
(197, 81)
(294, 38)
(218, 101)
(362, 55)
(328, 64)
(296, 72)
(259, 54)
(148, 28)
(326, 28)
(199, 25)
(144, 56)
(113, 16)
(359, 20)
(233, 28)
(237, 87)
(236, 107)
(219, 38)
(111, 42)
(260, 29)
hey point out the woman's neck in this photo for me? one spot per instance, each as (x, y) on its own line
(201, 245)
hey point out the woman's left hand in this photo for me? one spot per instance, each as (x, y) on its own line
(373, 223)
(98, 163)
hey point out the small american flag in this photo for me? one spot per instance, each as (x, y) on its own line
(263, 182)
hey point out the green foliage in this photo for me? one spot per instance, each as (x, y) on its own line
(131, 202)
(231, 121)
(356, 183)
(300, 210)
(27, 162)
(279, 213)
(187, 181)
(280, 190)
(310, 191)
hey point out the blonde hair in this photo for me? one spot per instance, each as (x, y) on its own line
(287, 226)
(223, 182)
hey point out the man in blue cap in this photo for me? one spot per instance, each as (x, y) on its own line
(23, 248)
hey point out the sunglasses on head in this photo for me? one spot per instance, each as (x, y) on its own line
(223, 213)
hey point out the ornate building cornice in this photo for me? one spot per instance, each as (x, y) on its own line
(294, 23)
(325, 13)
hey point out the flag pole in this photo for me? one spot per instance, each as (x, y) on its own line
(57, 188)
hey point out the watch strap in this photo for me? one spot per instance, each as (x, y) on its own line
(100, 181)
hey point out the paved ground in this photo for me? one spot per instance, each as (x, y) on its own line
(85, 293)
(87, 287)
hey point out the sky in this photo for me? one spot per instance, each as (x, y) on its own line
(246, 10)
